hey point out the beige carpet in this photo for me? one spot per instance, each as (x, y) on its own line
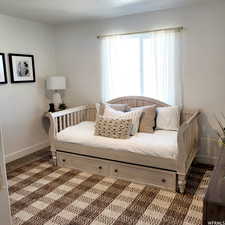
(43, 194)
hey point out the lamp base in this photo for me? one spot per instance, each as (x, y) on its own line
(51, 107)
(56, 99)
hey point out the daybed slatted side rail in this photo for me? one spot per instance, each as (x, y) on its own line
(66, 118)
(188, 140)
(91, 112)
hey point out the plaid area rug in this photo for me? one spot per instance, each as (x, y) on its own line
(43, 194)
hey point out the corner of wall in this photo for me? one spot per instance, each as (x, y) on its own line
(26, 151)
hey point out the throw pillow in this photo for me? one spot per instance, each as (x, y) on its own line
(100, 107)
(110, 113)
(113, 128)
(168, 118)
(147, 120)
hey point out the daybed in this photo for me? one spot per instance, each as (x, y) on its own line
(161, 159)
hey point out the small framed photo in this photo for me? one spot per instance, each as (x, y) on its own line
(22, 68)
(3, 77)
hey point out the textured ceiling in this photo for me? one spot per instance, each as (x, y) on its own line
(62, 11)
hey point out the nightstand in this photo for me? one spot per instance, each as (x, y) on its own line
(214, 201)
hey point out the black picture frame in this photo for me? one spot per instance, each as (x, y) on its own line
(12, 72)
(4, 69)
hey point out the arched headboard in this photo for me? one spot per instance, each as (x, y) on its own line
(136, 101)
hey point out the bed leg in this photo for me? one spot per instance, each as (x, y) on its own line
(54, 158)
(181, 183)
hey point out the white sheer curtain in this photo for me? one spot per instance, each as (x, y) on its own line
(145, 64)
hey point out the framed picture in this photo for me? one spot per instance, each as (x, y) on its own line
(22, 68)
(3, 77)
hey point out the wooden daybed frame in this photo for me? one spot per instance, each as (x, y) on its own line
(165, 173)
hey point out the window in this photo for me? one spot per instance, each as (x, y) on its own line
(143, 64)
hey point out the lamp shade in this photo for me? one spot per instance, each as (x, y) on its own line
(56, 83)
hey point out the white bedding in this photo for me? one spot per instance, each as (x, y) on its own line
(159, 144)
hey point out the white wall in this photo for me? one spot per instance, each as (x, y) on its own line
(78, 57)
(23, 105)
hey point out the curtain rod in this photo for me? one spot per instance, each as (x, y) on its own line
(141, 32)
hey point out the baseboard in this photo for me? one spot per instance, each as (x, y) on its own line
(26, 151)
(209, 160)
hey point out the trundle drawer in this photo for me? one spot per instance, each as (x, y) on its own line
(91, 165)
(144, 175)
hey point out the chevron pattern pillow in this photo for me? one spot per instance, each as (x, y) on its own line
(113, 128)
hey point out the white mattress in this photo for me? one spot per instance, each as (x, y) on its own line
(159, 144)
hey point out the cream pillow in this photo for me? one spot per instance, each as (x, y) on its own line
(168, 118)
(147, 120)
(110, 113)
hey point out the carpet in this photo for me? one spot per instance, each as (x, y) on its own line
(44, 194)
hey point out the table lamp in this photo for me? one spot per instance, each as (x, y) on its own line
(56, 83)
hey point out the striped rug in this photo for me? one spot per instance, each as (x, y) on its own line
(43, 194)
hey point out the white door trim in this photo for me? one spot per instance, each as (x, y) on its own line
(5, 214)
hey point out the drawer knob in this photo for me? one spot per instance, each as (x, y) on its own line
(116, 170)
(100, 167)
(164, 180)
(64, 160)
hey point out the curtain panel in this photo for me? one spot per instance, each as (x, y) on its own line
(145, 64)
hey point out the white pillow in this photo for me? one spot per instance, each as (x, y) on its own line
(110, 113)
(168, 118)
(100, 107)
